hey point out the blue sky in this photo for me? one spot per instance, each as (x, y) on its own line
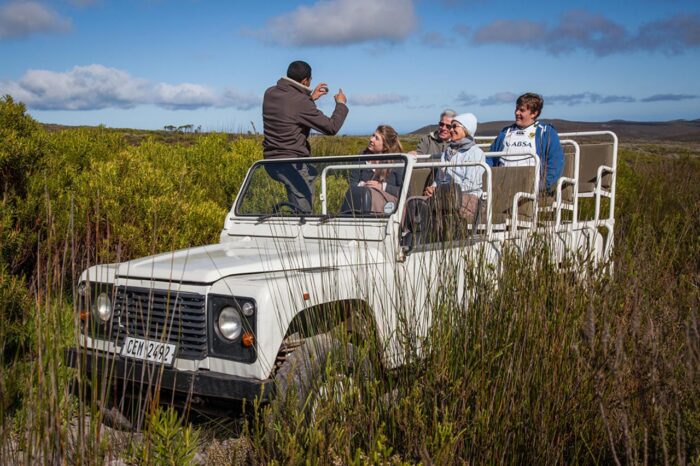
(150, 63)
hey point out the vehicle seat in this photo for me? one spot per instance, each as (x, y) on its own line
(594, 156)
(358, 201)
(511, 185)
(419, 178)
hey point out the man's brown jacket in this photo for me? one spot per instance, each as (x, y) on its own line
(289, 113)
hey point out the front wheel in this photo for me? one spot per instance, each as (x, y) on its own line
(322, 371)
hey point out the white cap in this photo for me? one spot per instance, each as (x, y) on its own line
(468, 120)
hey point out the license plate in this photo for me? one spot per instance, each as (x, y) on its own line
(146, 350)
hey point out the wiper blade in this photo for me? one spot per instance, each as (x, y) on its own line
(263, 218)
(325, 218)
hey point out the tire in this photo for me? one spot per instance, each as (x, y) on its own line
(303, 382)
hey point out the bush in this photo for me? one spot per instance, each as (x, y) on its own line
(20, 146)
(166, 441)
(15, 337)
(21, 149)
(542, 369)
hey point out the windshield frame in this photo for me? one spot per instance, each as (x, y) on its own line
(349, 162)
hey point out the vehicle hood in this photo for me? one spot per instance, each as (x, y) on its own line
(207, 264)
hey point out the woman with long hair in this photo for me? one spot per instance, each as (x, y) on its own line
(386, 182)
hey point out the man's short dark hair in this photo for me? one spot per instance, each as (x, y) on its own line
(531, 101)
(298, 71)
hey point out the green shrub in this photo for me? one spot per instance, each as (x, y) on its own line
(166, 441)
(541, 369)
(16, 335)
(21, 144)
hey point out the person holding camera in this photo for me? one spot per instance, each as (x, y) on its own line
(289, 114)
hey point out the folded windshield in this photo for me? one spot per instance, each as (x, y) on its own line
(365, 186)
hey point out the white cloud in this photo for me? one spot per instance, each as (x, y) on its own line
(669, 97)
(587, 98)
(18, 19)
(584, 30)
(509, 98)
(84, 3)
(374, 100)
(95, 87)
(341, 22)
(184, 95)
(499, 98)
(467, 99)
(434, 39)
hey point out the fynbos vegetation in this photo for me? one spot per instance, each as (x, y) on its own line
(538, 368)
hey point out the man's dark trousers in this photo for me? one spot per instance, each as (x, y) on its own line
(298, 179)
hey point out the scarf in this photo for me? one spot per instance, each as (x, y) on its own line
(461, 145)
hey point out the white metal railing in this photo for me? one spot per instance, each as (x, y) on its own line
(523, 195)
(599, 192)
(487, 192)
(350, 166)
(564, 180)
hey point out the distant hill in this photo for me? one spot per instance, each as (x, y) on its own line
(676, 130)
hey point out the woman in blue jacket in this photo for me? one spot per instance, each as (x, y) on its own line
(527, 135)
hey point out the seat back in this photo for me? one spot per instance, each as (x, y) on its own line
(506, 182)
(418, 181)
(567, 193)
(358, 201)
(592, 157)
(446, 199)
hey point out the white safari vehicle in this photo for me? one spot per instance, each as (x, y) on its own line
(220, 323)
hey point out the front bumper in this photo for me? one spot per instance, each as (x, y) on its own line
(199, 385)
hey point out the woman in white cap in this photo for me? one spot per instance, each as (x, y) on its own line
(462, 149)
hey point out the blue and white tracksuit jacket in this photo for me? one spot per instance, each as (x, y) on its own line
(548, 148)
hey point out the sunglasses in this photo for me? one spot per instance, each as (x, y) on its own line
(443, 125)
(455, 126)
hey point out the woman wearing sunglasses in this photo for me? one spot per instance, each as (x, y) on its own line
(462, 148)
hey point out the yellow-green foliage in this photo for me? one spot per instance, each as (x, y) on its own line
(541, 369)
(167, 441)
(120, 201)
(20, 146)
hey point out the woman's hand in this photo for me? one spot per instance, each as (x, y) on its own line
(374, 184)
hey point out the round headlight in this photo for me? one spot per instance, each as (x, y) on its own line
(103, 307)
(229, 322)
(247, 309)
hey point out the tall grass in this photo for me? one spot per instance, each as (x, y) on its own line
(542, 368)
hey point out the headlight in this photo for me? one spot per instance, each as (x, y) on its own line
(103, 307)
(229, 323)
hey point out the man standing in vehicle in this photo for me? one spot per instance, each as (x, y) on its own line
(436, 142)
(529, 135)
(289, 114)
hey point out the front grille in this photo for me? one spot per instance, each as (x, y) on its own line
(162, 315)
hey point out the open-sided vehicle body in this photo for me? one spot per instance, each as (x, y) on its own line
(218, 322)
